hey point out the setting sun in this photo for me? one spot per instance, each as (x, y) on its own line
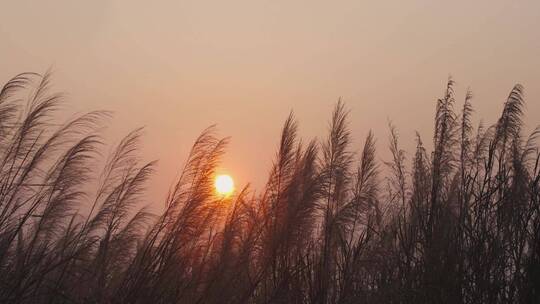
(224, 184)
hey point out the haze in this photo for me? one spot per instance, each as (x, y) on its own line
(179, 66)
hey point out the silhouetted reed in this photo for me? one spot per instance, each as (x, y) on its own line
(458, 225)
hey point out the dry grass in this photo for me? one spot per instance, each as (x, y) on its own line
(461, 226)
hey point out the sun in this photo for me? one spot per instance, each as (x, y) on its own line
(224, 185)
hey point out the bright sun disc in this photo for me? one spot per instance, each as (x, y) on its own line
(224, 184)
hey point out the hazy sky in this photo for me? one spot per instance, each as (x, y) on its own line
(177, 67)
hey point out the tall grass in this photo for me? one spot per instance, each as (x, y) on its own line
(459, 224)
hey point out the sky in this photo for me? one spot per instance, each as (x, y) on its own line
(177, 67)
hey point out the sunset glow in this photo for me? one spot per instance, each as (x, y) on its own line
(224, 185)
(248, 152)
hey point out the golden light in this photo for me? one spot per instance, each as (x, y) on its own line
(224, 185)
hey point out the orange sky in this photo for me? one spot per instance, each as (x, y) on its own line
(179, 66)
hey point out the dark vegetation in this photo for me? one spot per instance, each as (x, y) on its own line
(459, 224)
